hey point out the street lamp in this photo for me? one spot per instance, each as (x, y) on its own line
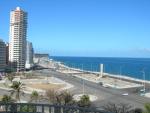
(83, 81)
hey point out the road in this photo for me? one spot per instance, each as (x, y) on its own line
(104, 95)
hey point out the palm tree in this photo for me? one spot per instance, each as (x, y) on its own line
(34, 96)
(16, 89)
(7, 99)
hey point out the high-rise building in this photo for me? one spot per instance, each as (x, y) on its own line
(29, 55)
(17, 43)
(2, 55)
(7, 53)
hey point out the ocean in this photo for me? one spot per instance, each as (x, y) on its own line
(131, 67)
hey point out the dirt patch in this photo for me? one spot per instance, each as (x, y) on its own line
(30, 77)
(46, 86)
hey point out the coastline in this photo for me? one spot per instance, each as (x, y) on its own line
(60, 67)
(123, 77)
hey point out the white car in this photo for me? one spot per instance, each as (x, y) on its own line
(125, 94)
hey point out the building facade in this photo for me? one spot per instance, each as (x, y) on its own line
(17, 41)
(29, 55)
(2, 55)
(7, 53)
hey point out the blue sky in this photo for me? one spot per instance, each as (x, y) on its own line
(111, 28)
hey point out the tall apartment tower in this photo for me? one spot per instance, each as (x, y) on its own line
(2, 55)
(17, 42)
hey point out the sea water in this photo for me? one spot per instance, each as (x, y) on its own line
(132, 67)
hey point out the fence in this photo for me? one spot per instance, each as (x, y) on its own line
(43, 108)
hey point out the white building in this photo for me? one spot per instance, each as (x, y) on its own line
(29, 55)
(18, 32)
(2, 55)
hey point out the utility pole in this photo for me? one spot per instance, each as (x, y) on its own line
(83, 87)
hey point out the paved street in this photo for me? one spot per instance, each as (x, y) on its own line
(104, 95)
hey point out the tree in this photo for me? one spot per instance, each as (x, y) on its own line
(16, 90)
(136, 110)
(61, 98)
(26, 108)
(84, 101)
(7, 99)
(52, 96)
(34, 96)
(66, 98)
(117, 108)
(147, 108)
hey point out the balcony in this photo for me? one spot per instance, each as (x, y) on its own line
(43, 108)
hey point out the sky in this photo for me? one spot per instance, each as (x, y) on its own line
(96, 28)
